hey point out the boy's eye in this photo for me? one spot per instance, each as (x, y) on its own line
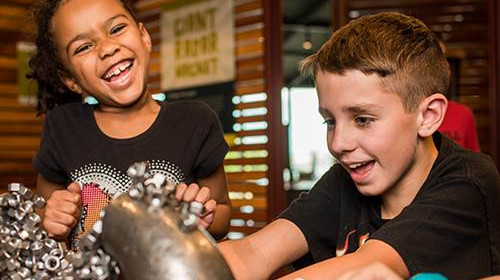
(361, 120)
(117, 28)
(330, 122)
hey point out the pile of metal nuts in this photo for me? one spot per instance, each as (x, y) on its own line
(26, 251)
(157, 192)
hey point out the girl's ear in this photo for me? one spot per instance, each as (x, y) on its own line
(71, 84)
(145, 36)
(432, 111)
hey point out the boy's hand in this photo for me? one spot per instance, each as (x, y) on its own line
(194, 193)
(62, 211)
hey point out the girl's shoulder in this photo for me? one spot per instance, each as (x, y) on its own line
(68, 112)
(191, 107)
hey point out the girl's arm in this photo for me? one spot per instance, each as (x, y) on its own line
(218, 189)
(212, 192)
(62, 210)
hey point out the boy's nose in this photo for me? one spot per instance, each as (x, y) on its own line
(108, 47)
(341, 140)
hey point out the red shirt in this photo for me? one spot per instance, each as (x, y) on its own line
(459, 125)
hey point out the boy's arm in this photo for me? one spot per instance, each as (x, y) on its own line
(62, 210)
(374, 271)
(372, 251)
(217, 184)
(258, 255)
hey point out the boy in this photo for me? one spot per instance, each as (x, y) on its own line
(402, 194)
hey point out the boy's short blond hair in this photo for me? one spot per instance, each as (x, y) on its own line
(400, 49)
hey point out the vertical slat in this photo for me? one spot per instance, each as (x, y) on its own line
(278, 147)
(494, 76)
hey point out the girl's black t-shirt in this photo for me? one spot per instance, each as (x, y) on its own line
(184, 143)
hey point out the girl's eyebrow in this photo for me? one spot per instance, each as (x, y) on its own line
(83, 35)
(111, 19)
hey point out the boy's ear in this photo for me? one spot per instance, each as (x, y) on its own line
(71, 84)
(145, 36)
(432, 111)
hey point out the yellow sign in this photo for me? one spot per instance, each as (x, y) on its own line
(197, 44)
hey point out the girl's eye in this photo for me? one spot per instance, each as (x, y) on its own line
(363, 121)
(117, 28)
(82, 48)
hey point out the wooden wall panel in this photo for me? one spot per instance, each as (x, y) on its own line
(19, 127)
(246, 164)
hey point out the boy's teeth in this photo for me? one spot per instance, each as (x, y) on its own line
(356, 165)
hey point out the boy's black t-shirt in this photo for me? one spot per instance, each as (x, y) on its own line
(452, 226)
(184, 143)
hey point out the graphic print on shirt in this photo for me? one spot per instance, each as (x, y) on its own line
(101, 183)
(348, 243)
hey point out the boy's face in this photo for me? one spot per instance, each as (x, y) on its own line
(104, 49)
(369, 131)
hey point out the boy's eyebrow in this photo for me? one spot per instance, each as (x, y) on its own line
(322, 111)
(83, 35)
(366, 107)
(361, 108)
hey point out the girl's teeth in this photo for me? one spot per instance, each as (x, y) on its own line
(118, 70)
(125, 66)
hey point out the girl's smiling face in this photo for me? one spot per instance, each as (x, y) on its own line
(369, 131)
(105, 51)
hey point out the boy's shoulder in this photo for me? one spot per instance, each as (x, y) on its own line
(457, 163)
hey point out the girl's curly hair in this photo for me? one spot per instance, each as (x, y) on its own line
(46, 66)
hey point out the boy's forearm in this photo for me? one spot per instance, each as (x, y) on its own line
(260, 254)
(372, 251)
(241, 259)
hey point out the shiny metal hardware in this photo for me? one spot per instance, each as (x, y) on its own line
(144, 234)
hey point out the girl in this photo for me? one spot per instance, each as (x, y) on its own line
(97, 48)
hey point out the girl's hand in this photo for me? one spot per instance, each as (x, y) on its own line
(194, 193)
(62, 211)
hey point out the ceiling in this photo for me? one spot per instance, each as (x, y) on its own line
(303, 20)
(462, 24)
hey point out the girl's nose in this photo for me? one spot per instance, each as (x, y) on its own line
(108, 47)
